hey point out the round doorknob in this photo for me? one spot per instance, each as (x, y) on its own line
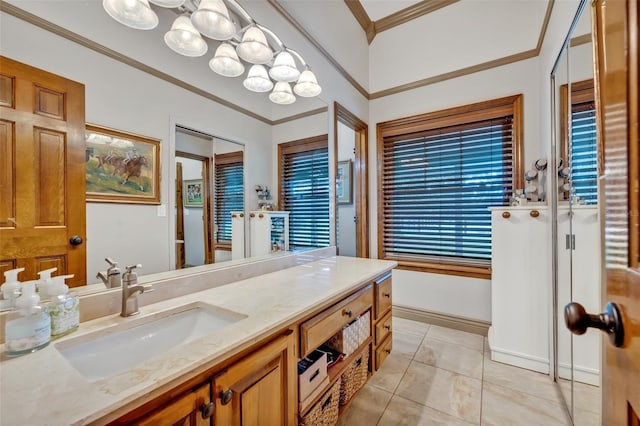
(610, 321)
(206, 410)
(225, 396)
(76, 240)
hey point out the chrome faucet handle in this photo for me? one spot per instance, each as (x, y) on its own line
(130, 268)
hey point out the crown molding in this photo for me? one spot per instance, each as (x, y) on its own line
(577, 41)
(362, 17)
(39, 22)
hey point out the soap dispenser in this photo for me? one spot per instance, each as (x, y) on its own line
(45, 282)
(28, 327)
(11, 288)
(63, 307)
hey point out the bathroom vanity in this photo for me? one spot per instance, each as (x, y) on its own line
(241, 365)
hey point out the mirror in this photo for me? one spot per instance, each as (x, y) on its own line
(577, 229)
(133, 82)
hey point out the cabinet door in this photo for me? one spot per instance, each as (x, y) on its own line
(260, 388)
(192, 409)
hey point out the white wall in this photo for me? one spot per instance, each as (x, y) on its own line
(193, 220)
(121, 97)
(346, 212)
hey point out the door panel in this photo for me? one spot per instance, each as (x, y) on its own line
(616, 29)
(42, 152)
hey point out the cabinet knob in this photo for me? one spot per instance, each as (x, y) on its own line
(241, 215)
(260, 215)
(226, 396)
(234, 215)
(206, 410)
(388, 327)
(252, 215)
(506, 215)
(534, 213)
(348, 313)
(387, 295)
(388, 351)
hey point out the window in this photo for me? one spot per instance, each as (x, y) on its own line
(229, 194)
(439, 174)
(583, 152)
(303, 167)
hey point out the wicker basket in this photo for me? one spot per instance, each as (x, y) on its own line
(325, 412)
(354, 377)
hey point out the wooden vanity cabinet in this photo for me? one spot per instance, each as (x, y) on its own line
(260, 389)
(192, 409)
(382, 319)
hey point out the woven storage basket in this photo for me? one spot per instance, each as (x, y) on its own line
(354, 377)
(325, 412)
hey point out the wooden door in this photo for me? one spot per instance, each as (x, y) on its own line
(42, 172)
(180, 257)
(192, 409)
(260, 389)
(616, 44)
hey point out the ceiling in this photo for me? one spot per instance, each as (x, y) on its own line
(362, 40)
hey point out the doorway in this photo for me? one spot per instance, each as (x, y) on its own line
(352, 189)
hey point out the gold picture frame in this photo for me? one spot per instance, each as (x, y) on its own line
(121, 167)
(344, 185)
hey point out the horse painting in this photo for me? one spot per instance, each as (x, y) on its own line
(127, 168)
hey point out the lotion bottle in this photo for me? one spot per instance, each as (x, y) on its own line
(63, 307)
(45, 282)
(28, 327)
(11, 288)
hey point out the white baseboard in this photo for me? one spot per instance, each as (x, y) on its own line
(590, 376)
(521, 360)
(443, 320)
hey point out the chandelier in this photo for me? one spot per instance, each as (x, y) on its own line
(272, 65)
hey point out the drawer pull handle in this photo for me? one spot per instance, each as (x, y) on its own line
(348, 313)
(388, 327)
(506, 215)
(226, 396)
(206, 410)
(388, 351)
(534, 213)
(314, 375)
(387, 295)
(358, 362)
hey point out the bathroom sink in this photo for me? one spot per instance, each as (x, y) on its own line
(108, 352)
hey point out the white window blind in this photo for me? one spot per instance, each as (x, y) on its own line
(305, 194)
(229, 192)
(437, 185)
(584, 152)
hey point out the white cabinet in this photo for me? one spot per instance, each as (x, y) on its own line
(520, 286)
(269, 231)
(237, 235)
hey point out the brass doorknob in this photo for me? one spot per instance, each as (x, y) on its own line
(610, 321)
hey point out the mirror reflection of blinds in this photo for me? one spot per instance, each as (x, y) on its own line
(437, 186)
(584, 152)
(305, 192)
(228, 197)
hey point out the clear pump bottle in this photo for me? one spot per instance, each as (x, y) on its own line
(28, 326)
(63, 308)
(11, 288)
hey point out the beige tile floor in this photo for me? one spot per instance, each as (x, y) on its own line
(440, 376)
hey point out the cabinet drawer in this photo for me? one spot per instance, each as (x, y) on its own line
(383, 350)
(383, 294)
(320, 328)
(383, 328)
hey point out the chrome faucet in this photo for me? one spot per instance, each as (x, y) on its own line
(130, 291)
(112, 277)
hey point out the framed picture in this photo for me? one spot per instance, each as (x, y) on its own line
(192, 193)
(344, 182)
(121, 167)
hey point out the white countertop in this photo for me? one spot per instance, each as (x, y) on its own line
(43, 388)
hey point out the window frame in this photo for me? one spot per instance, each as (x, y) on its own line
(302, 145)
(510, 105)
(222, 159)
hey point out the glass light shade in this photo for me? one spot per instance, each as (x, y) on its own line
(184, 39)
(225, 62)
(282, 94)
(212, 19)
(307, 85)
(132, 13)
(254, 47)
(168, 3)
(284, 68)
(258, 80)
